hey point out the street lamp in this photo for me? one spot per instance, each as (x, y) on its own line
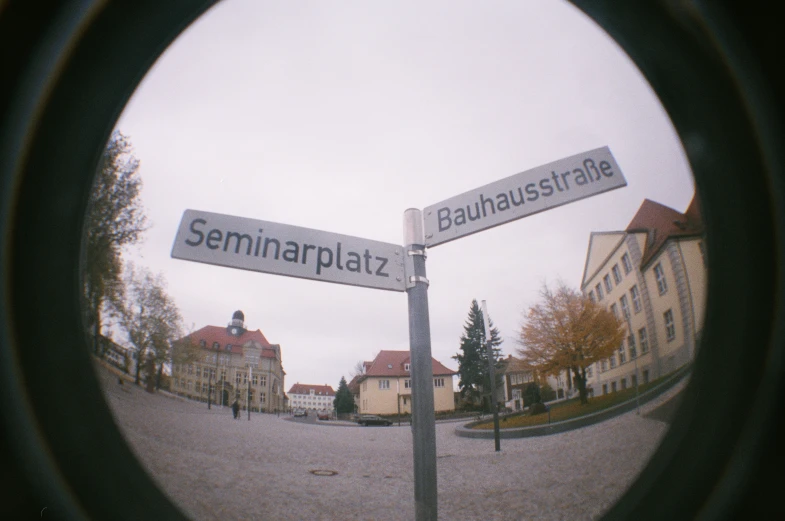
(635, 360)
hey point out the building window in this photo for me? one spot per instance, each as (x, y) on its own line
(204, 388)
(644, 339)
(263, 381)
(604, 388)
(406, 367)
(588, 372)
(622, 354)
(634, 380)
(623, 383)
(631, 344)
(603, 365)
(612, 361)
(645, 376)
(608, 286)
(613, 387)
(202, 343)
(659, 274)
(199, 371)
(598, 289)
(625, 260)
(616, 274)
(615, 310)
(384, 384)
(263, 397)
(237, 378)
(438, 382)
(216, 346)
(625, 307)
(254, 380)
(670, 327)
(407, 384)
(591, 296)
(636, 299)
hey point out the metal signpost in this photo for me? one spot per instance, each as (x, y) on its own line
(281, 249)
(492, 376)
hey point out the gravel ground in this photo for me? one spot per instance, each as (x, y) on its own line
(214, 467)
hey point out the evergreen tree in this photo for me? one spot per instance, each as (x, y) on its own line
(473, 356)
(344, 401)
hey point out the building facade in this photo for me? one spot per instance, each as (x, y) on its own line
(311, 397)
(229, 363)
(385, 385)
(652, 276)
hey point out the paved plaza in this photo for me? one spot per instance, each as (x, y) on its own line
(214, 467)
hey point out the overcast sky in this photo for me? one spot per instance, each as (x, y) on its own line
(339, 116)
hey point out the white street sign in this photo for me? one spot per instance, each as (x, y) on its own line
(281, 249)
(536, 190)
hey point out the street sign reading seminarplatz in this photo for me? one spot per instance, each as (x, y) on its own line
(282, 249)
(536, 190)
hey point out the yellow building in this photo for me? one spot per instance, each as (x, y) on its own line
(652, 275)
(385, 385)
(229, 362)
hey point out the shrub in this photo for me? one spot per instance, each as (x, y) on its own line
(537, 408)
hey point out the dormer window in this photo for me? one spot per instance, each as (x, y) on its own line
(406, 367)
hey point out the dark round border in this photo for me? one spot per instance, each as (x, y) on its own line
(73, 65)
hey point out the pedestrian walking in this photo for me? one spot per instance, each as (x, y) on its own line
(236, 409)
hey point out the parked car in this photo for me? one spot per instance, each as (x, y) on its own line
(370, 419)
(300, 413)
(323, 415)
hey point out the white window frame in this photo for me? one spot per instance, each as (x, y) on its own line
(438, 382)
(643, 339)
(608, 284)
(616, 274)
(598, 288)
(659, 274)
(615, 310)
(625, 306)
(625, 261)
(384, 384)
(670, 326)
(635, 295)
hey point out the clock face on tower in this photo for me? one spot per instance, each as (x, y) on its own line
(234, 330)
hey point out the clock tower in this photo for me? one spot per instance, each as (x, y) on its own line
(237, 326)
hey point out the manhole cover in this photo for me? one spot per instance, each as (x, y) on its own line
(323, 472)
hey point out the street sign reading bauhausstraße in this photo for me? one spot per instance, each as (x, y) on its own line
(536, 190)
(282, 249)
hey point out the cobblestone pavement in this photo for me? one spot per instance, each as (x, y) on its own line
(214, 467)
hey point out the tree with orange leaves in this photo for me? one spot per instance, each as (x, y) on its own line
(567, 331)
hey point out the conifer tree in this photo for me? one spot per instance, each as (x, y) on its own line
(473, 356)
(344, 401)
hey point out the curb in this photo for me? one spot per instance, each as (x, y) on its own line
(466, 430)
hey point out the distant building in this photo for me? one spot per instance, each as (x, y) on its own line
(652, 275)
(228, 362)
(385, 385)
(312, 397)
(115, 354)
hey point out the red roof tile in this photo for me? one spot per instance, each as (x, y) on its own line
(391, 363)
(213, 334)
(661, 223)
(319, 390)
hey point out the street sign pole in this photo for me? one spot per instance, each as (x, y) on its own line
(423, 418)
(492, 376)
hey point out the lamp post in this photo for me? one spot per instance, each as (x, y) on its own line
(635, 361)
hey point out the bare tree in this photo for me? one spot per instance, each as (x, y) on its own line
(151, 319)
(115, 219)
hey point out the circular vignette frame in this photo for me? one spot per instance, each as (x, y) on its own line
(69, 69)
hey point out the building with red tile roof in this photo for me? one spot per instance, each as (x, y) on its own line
(313, 397)
(228, 363)
(385, 385)
(652, 275)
